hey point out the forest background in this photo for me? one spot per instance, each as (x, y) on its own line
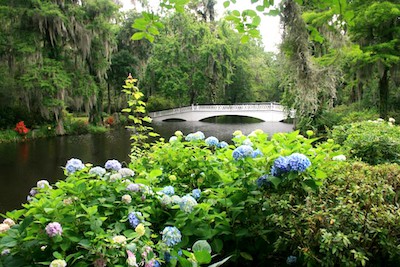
(338, 59)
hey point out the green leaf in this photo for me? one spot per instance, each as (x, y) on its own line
(217, 244)
(245, 39)
(275, 181)
(57, 255)
(246, 255)
(260, 8)
(155, 173)
(320, 174)
(202, 257)
(201, 245)
(138, 36)
(226, 4)
(235, 13)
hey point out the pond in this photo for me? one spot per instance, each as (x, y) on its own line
(23, 164)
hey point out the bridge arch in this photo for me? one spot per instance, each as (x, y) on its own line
(267, 112)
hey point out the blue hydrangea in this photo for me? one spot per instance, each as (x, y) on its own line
(247, 142)
(133, 218)
(74, 165)
(99, 171)
(166, 200)
(173, 139)
(195, 136)
(222, 144)
(189, 137)
(187, 203)
(280, 166)
(298, 162)
(242, 152)
(171, 236)
(212, 141)
(113, 164)
(168, 190)
(291, 260)
(264, 181)
(176, 199)
(256, 153)
(196, 193)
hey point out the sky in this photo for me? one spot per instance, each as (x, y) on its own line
(269, 27)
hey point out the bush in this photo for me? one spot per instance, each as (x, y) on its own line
(257, 202)
(9, 136)
(208, 191)
(352, 221)
(374, 142)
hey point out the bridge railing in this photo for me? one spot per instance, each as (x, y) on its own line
(238, 107)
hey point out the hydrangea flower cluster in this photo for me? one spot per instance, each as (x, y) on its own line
(126, 199)
(133, 187)
(280, 166)
(222, 144)
(256, 153)
(295, 162)
(131, 260)
(173, 139)
(74, 165)
(113, 164)
(43, 184)
(53, 229)
(195, 136)
(4, 227)
(126, 172)
(152, 263)
(99, 171)
(119, 239)
(115, 176)
(247, 142)
(166, 200)
(291, 260)
(339, 158)
(196, 193)
(187, 203)
(171, 236)
(212, 141)
(168, 190)
(298, 162)
(264, 181)
(58, 263)
(242, 152)
(133, 218)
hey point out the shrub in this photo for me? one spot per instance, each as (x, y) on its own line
(202, 191)
(373, 142)
(9, 135)
(87, 220)
(352, 221)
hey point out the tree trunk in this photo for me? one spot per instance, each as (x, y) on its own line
(384, 94)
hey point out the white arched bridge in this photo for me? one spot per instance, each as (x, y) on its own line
(268, 112)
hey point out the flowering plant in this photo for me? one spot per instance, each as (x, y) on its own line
(21, 129)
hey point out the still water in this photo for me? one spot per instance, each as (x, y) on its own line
(23, 164)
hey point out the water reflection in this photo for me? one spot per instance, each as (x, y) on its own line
(23, 164)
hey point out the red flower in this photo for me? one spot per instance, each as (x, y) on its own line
(20, 128)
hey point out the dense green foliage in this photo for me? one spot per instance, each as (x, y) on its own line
(375, 142)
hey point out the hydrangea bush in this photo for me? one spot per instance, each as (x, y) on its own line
(198, 201)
